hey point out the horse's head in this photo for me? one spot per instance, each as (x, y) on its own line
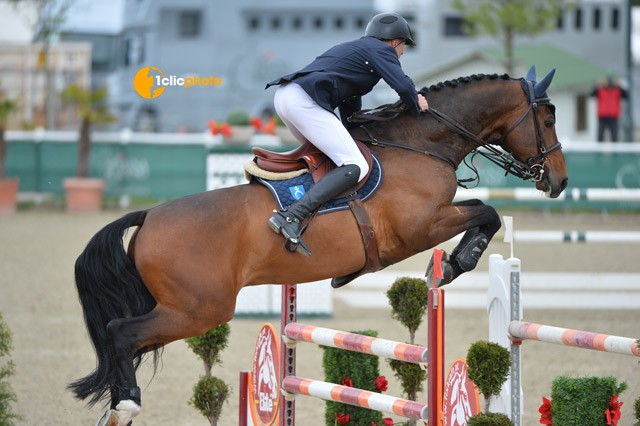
(533, 141)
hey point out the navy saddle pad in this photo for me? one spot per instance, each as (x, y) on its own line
(288, 191)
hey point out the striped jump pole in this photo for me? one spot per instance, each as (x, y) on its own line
(433, 360)
(576, 338)
(507, 329)
(354, 396)
(431, 357)
(297, 332)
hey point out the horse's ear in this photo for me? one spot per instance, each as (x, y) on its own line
(541, 87)
(531, 75)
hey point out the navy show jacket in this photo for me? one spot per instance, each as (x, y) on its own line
(343, 74)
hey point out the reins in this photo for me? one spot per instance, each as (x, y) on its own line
(532, 169)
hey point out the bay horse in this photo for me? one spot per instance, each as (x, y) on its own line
(188, 258)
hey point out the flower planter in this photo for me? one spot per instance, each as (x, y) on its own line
(83, 195)
(8, 195)
(241, 135)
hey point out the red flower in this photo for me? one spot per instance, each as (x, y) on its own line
(347, 382)
(387, 421)
(381, 384)
(223, 128)
(613, 412)
(545, 412)
(256, 123)
(342, 419)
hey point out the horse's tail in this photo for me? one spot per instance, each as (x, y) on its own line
(109, 287)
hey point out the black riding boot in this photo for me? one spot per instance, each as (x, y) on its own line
(288, 222)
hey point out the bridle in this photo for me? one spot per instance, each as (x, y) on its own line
(531, 169)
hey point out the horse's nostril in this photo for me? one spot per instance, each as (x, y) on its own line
(564, 184)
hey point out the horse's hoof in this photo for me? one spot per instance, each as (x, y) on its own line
(447, 270)
(469, 255)
(122, 416)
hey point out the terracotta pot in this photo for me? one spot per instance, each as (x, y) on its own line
(8, 195)
(83, 195)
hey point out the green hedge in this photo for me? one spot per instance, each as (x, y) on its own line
(582, 401)
(362, 370)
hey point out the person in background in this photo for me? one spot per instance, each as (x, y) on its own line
(609, 97)
(305, 101)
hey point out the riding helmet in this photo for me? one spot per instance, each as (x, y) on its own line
(387, 26)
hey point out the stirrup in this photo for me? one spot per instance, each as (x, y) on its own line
(296, 244)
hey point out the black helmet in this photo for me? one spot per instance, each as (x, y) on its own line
(387, 26)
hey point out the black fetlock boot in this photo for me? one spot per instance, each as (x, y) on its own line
(289, 222)
(468, 252)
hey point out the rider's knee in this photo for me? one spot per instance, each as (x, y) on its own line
(364, 168)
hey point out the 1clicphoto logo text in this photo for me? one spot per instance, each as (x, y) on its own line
(150, 82)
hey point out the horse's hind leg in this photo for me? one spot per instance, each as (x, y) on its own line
(130, 337)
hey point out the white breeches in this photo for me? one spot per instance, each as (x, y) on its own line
(308, 121)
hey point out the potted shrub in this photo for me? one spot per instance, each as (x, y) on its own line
(241, 129)
(8, 186)
(84, 194)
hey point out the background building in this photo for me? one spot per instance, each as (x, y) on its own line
(247, 43)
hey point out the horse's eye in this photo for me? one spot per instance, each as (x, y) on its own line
(549, 123)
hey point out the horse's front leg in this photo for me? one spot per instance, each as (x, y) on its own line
(481, 222)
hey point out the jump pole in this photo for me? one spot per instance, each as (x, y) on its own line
(507, 328)
(293, 332)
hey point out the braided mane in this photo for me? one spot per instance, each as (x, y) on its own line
(457, 81)
(389, 111)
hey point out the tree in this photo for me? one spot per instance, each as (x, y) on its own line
(7, 369)
(50, 16)
(91, 109)
(506, 19)
(7, 106)
(210, 393)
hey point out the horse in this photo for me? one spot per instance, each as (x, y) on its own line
(188, 258)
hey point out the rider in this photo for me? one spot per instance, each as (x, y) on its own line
(306, 99)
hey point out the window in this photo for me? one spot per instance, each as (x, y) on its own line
(615, 18)
(338, 23)
(275, 23)
(360, 22)
(596, 18)
(189, 23)
(296, 23)
(454, 26)
(578, 18)
(133, 50)
(318, 23)
(253, 23)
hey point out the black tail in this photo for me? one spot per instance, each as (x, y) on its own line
(109, 287)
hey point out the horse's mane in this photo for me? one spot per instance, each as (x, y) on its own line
(457, 81)
(389, 111)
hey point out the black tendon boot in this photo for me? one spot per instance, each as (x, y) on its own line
(288, 222)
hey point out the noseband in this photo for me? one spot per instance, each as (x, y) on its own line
(533, 167)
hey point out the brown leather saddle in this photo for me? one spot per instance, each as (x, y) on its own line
(307, 156)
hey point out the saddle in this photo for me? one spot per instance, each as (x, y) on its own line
(304, 158)
(309, 158)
